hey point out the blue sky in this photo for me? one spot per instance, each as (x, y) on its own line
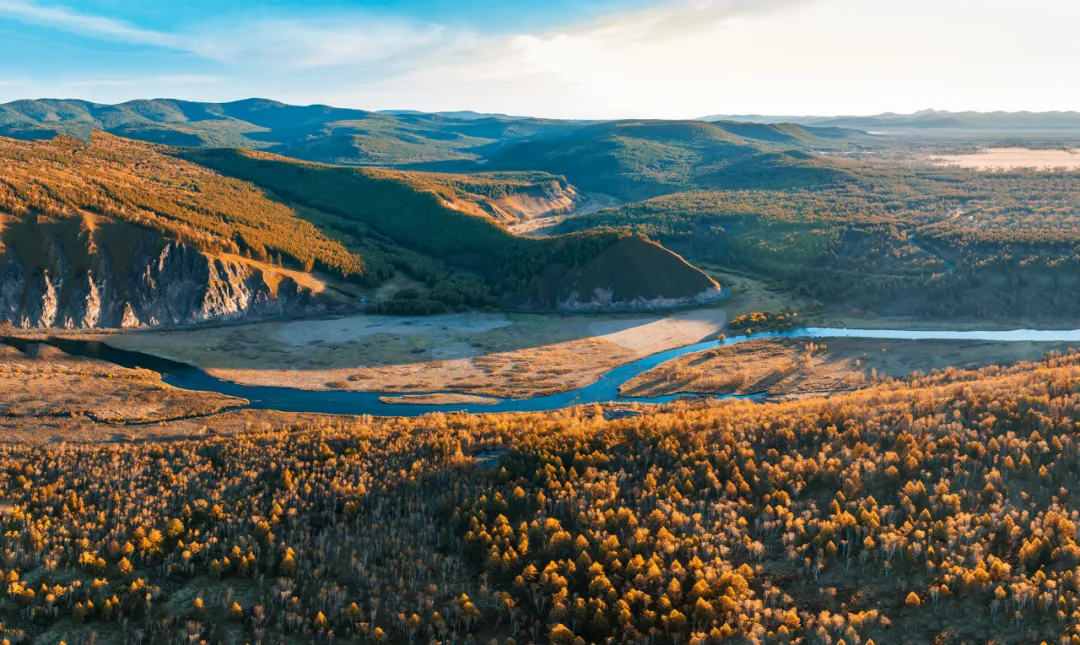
(558, 58)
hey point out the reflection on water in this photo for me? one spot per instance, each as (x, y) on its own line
(605, 389)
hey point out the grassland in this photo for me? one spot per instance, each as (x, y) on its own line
(437, 399)
(1013, 158)
(789, 367)
(503, 355)
(53, 395)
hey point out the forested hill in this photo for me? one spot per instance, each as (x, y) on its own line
(641, 159)
(116, 232)
(358, 137)
(314, 132)
(927, 119)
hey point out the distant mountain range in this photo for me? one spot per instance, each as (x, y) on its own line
(623, 158)
(464, 115)
(313, 132)
(925, 119)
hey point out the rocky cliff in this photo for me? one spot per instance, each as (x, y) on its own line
(119, 276)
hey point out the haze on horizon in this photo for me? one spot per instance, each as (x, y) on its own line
(564, 59)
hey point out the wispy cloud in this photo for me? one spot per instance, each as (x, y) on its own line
(347, 39)
(628, 59)
(623, 63)
(352, 40)
(72, 21)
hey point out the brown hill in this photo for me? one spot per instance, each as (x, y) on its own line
(635, 273)
(116, 232)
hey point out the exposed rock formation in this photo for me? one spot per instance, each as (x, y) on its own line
(147, 281)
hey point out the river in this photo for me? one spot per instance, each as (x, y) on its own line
(603, 390)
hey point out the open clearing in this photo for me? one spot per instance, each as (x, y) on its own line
(1013, 158)
(786, 367)
(749, 294)
(543, 225)
(438, 399)
(501, 355)
(44, 396)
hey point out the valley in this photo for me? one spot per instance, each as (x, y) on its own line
(418, 322)
(619, 378)
(1002, 159)
(503, 355)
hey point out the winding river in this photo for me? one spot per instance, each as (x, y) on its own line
(603, 390)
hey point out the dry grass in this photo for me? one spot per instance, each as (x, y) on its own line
(788, 367)
(523, 373)
(56, 395)
(1013, 158)
(515, 356)
(749, 294)
(438, 399)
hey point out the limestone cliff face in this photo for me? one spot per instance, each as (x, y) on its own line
(150, 282)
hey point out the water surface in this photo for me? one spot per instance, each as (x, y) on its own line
(603, 390)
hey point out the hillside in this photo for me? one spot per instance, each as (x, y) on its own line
(117, 234)
(315, 132)
(423, 212)
(630, 270)
(641, 159)
(664, 155)
(121, 233)
(938, 508)
(892, 239)
(925, 119)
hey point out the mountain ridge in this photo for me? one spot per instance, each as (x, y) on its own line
(923, 119)
(117, 233)
(344, 136)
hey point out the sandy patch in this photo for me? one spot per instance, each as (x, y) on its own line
(343, 330)
(543, 224)
(649, 336)
(1013, 158)
(439, 399)
(523, 373)
(502, 355)
(55, 385)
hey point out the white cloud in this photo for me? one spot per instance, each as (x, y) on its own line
(298, 44)
(625, 65)
(347, 39)
(767, 57)
(83, 24)
(680, 59)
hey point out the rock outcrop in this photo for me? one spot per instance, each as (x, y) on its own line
(148, 281)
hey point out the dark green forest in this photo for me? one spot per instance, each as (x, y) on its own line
(893, 239)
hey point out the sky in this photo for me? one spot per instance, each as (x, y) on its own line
(591, 59)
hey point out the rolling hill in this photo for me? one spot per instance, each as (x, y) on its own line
(116, 232)
(636, 160)
(314, 132)
(450, 141)
(925, 119)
